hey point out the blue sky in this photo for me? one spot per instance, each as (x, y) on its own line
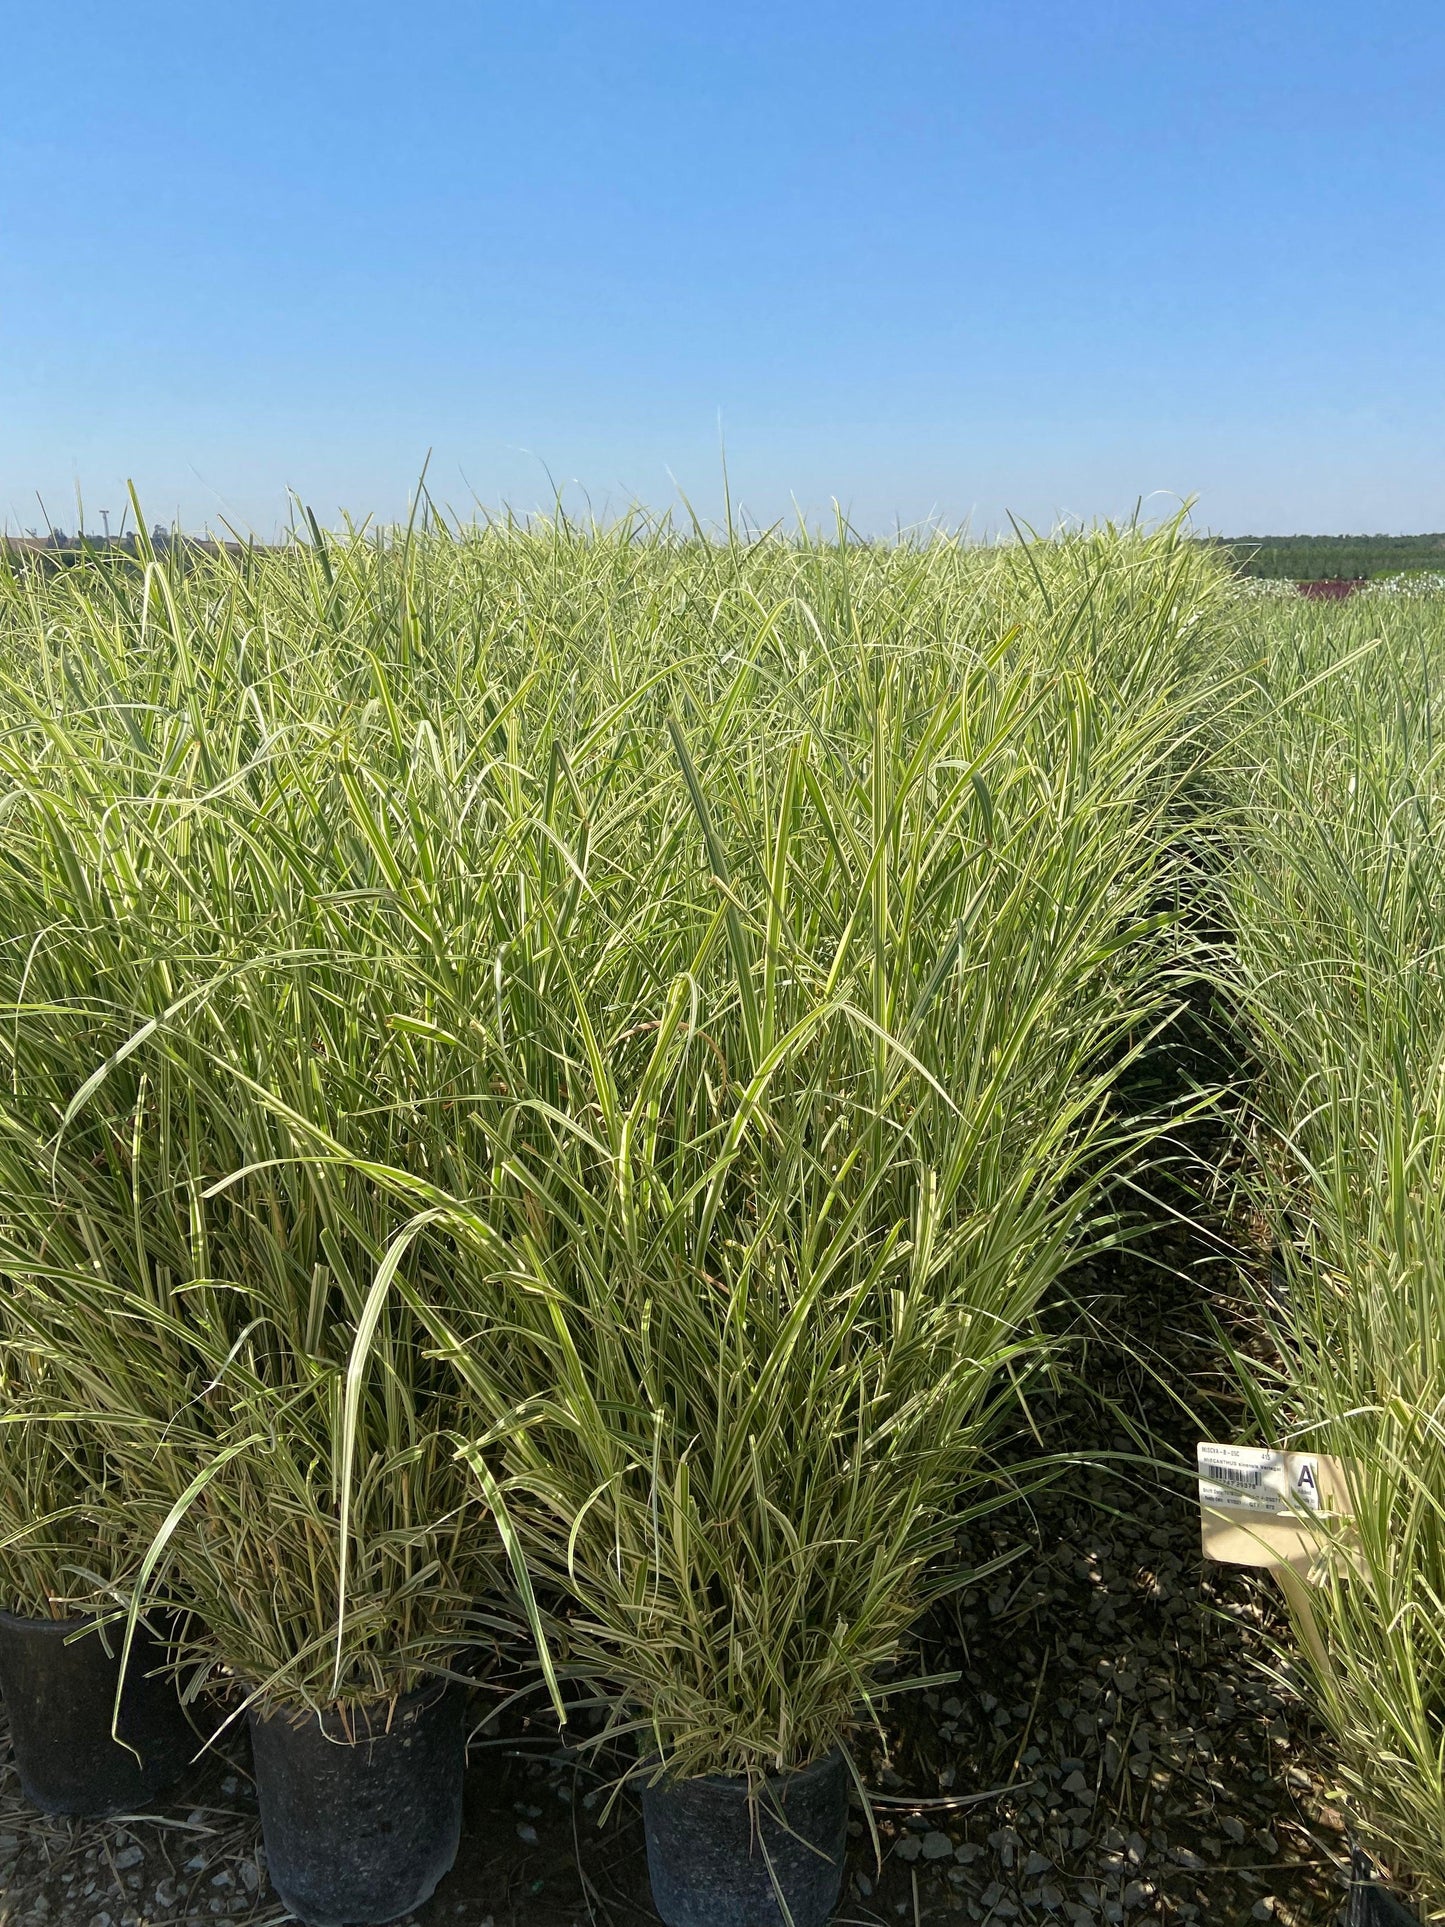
(927, 260)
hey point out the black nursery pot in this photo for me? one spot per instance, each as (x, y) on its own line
(717, 1859)
(60, 1694)
(362, 1813)
(1371, 1904)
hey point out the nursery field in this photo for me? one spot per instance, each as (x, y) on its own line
(636, 1162)
(1306, 558)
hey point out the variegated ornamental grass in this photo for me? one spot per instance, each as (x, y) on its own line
(1334, 898)
(548, 1074)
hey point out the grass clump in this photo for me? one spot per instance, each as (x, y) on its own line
(1334, 894)
(571, 1060)
(800, 1055)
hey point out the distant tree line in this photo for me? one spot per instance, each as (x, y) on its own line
(57, 550)
(1292, 558)
(1323, 558)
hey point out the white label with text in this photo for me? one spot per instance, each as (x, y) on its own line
(1254, 1478)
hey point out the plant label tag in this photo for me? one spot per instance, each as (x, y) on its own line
(1260, 1507)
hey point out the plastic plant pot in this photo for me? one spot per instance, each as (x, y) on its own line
(1371, 1904)
(718, 1859)
(59, 1683)
(362, 1808)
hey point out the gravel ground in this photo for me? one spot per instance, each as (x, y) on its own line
(1114, 1684)
(1111, 1752)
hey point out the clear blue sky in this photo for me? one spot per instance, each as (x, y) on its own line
(927, 259)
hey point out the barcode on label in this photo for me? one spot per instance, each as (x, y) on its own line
(1246, 1478)
(1258, 1479)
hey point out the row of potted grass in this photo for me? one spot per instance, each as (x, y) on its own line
(545, 1076)
(1332, 900)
